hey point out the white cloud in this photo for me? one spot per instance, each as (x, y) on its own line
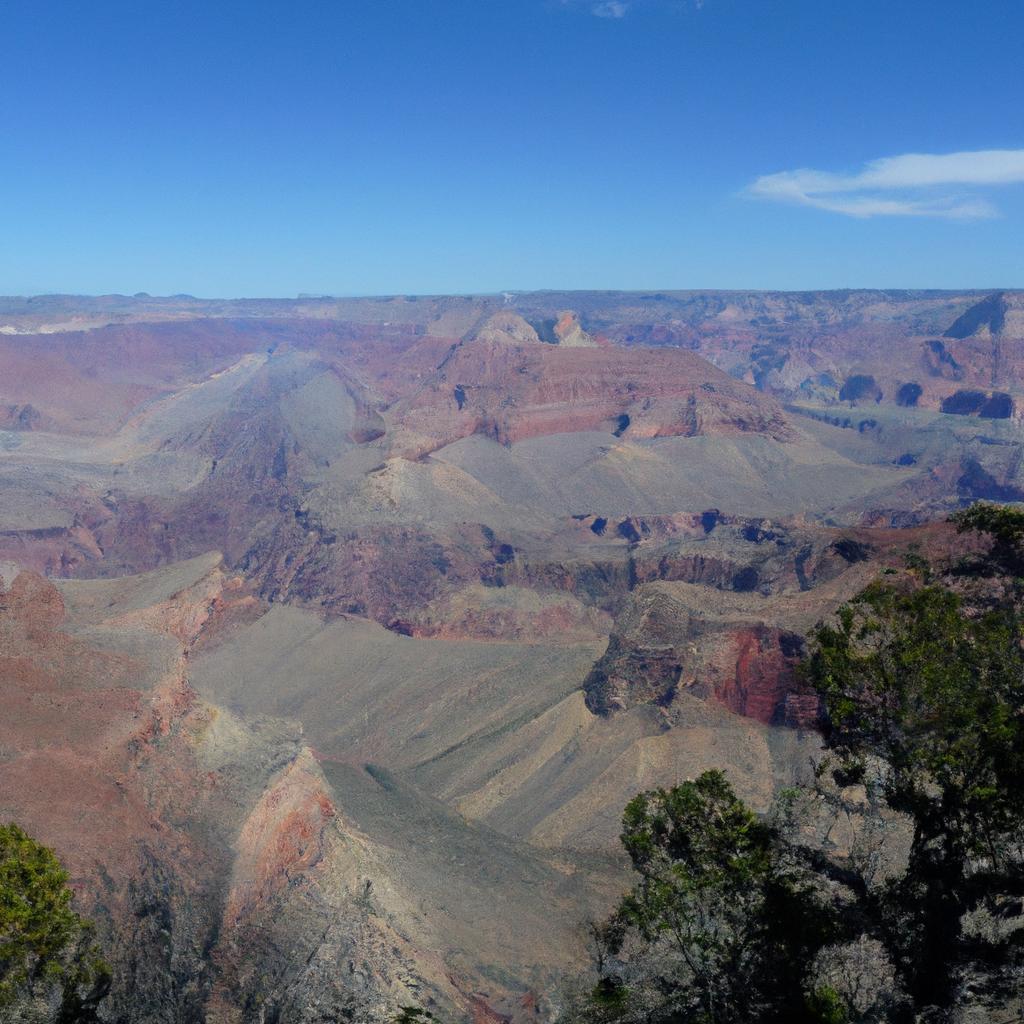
(911, 185)
(610, 9)
(620, 8)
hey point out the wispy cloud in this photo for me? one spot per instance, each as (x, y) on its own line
(610, 9)
(911, 185)
(615, 9)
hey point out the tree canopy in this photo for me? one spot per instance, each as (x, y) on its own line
(720, 923)
(46, 948)
(932, 690)
(1003, 527)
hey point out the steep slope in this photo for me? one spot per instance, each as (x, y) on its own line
(271, 437)
(500, 561)
(211, 845)
(512, 389)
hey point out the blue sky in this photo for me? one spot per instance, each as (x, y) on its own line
(397, 146)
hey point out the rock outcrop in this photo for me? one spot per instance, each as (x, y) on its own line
(490, 566)
(677, 638)
(210, 845)
(570, 333)
(511, 390)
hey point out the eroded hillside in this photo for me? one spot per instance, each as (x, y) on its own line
(336, 633)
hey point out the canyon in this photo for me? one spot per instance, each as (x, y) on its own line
(336, 633)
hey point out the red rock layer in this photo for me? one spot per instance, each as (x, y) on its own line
(516, 391)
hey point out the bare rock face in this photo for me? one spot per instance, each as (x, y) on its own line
(570, 333)
(645, 657)
(507, 328)
(523, 554)
(21, 417)
(807, 347)
(984, 318)
(513, 391)
(382, 572)
(507, 613)
(208, 839)
(673, 640)
(726, 621)
(758, 677)
(235, 877)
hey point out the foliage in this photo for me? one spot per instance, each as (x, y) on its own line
(927, 683)
(412, 1015)
(937, 693)
(723, 920)
(44, 944)
(1004, 528)
(854, 981)
(917, 909)
(828, 1006)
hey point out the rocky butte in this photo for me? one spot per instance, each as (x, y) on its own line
(335, 634)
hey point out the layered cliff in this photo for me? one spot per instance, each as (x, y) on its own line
(490, 565)
(204, 846)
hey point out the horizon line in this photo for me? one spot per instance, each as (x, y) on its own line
(498, 293)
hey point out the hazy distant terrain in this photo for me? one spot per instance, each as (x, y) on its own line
(355, 622)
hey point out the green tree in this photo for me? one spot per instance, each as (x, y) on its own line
(1004, 529)
(928, 688)
(412, 1015)
(722, 922)
(45, 946)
